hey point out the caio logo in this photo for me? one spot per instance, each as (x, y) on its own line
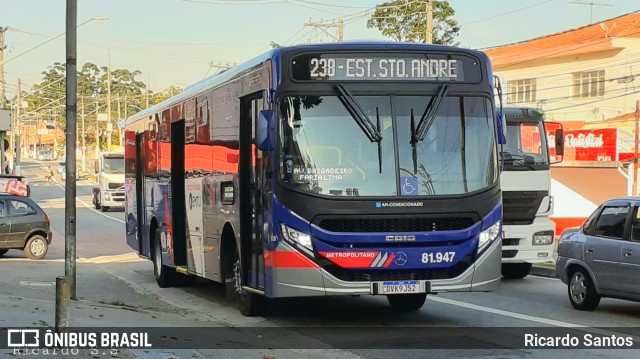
(21, 338)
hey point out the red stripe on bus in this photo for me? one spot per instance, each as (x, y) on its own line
(286, 259)
(388, 262)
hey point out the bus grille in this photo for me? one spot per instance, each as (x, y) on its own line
(520, 207)
(365, 275)
(399, 224)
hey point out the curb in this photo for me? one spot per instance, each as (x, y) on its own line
(544, 271)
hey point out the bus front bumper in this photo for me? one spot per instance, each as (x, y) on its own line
(483, 276)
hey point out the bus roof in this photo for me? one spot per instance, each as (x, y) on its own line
(276, 54)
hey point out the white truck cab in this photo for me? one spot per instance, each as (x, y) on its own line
(109, 192)
(528, 233)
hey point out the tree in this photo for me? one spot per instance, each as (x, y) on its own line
(405, 20)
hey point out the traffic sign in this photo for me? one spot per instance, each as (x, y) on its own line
(121, 123)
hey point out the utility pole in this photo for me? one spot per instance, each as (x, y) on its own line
(84, 148)
(2, 47)
(66, 286)
(109, 103)
(428, 28)
(635, 157)
(591, 5)
(322, 26)
(17, 131)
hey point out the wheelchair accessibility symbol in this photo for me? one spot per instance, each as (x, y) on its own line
(409, 186)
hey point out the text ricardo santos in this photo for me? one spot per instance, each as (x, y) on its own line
(569, 341)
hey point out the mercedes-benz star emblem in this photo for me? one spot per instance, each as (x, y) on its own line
(400, 258)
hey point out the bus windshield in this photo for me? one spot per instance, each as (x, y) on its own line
(525, 147)
(323, 150)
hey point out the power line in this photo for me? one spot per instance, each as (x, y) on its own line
(506, 13)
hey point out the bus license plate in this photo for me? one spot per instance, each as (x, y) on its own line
(401, 287)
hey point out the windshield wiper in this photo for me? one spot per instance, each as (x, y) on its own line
(430, 113)
(418, 133)
(370, 130)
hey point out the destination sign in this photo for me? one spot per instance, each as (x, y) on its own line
(380, 67)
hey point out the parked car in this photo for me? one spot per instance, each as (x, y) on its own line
(24, 226)
(45, 155)
(602, 258)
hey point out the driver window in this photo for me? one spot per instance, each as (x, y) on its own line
(611, 222)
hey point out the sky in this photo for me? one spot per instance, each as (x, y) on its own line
(179, 42)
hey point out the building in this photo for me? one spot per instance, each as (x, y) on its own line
(587, 78)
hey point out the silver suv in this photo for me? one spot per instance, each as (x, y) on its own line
(602, 258)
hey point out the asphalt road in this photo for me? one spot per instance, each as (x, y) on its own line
(98, 233)
(533, 302)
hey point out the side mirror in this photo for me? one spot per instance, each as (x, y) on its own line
(501, 125)
(96, 166)
(265, 135)
(559, 142)
(555, 141)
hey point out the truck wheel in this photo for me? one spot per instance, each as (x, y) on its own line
(3, 252)
(96, 204)
(515, 270)
(407, 302)
(104, 208)
(36, 247)
(165, 275)
(582, 292)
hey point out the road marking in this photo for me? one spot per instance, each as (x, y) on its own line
(37, 284)
(129, 257)
(90, 207)
(544, 278)
(531, 318)
(100, 213)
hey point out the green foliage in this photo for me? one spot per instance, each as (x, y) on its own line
(129, 95)
(405, 20)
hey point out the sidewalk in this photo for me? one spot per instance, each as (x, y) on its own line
(544, 270)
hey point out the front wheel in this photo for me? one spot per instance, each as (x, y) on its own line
(250, 304)
(407, 302)
(165, 275)
(104, 208)
(36, 247)
(516, 270)
(582, 292)
(3, 252)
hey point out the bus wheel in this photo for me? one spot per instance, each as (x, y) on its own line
(250, 304)
(165, 276)
(407, 302)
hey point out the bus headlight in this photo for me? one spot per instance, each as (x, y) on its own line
(296, 237)
(542, 238)
(489, 235)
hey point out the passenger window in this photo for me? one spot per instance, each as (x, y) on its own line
(1, 209)
(19, 208)
(611, 222)
(635, 225)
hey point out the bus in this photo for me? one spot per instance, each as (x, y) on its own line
(319, 170)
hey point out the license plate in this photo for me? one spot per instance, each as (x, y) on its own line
(401, 287)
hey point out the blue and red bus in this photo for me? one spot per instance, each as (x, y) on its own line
(318, 170)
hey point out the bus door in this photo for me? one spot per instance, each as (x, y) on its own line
(140, 211)
(251, 199)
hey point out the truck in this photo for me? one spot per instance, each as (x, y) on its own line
(528, 233)
(109, 192)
